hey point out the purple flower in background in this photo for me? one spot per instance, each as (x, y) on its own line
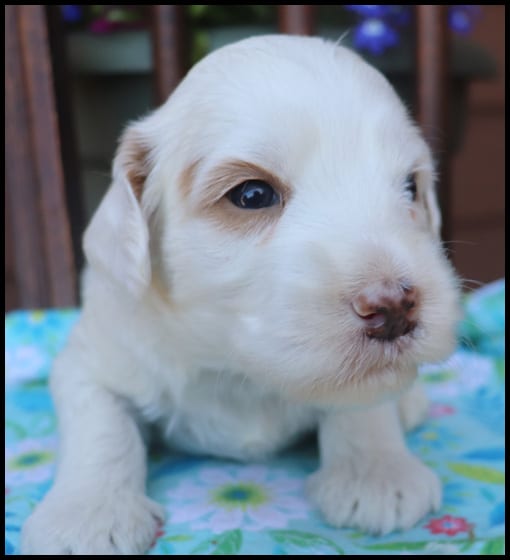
(377, 29)
(463, 17)
(71, 13)
(375, 11)
(104, 18)
(375, 35)
(400, 15)
(396, 13)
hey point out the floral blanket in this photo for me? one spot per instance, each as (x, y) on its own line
(224, 507)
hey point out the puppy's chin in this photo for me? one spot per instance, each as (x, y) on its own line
(367, 390)
(366, 383)
(357, 372)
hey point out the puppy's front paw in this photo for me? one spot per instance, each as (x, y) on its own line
(377, 494)
(92, 523)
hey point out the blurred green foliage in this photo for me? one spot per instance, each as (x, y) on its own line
(201, 17)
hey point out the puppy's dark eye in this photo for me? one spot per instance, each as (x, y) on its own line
(410, 186)
(253, 195)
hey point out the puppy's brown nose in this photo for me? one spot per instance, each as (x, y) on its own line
(388, 310)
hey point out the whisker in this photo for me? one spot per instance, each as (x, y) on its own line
(469, 284)
(459, 242)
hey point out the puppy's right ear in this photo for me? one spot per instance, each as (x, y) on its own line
(117, 239)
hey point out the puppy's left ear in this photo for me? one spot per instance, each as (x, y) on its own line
(117, 240)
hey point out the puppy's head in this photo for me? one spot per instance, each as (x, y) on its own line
(281, 205)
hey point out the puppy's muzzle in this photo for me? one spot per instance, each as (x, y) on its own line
(387, 310)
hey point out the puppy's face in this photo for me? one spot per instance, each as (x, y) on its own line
(281, 204)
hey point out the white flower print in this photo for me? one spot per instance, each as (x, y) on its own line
(229, 497)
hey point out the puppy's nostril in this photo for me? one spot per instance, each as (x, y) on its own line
(372, 319)
(387, 310)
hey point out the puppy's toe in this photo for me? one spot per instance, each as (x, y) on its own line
(120, 523)
(377, 494)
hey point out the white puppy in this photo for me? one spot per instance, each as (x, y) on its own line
(265, 262)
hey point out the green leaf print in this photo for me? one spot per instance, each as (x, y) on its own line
(177, 538)
(226, 543)
(475, 472)
(36, 384)
(165, 544)
(18, 431)
(229, 542)
(495, 547)
(428, 546)
(499, 364)
(301, 539)
(441, 376)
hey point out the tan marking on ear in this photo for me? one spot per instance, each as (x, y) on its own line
(160, 286)
(187, 177)
(135, 160)
(214, 204)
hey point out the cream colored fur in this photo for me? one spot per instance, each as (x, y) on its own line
(234, 343)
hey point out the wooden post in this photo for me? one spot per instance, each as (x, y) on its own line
(42, 250)
(62, 80)
(432, 87)
(168, 48)
(296, 19)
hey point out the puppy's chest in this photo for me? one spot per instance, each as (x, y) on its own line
(227, 416)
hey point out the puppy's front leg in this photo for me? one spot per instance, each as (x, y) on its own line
(368, 478)
(97, 504)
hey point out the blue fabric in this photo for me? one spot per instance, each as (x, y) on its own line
(224, 507)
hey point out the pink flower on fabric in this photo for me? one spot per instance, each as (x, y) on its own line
(449, 525)
(438, 410)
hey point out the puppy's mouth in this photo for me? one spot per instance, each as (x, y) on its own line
(385, 351)
(397, 344)
(377, 328)
(373, 370)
